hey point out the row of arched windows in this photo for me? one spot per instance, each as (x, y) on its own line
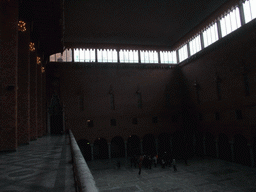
(231, 21)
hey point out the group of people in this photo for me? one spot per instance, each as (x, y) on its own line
(147, 160)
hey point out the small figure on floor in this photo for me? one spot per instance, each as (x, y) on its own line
(174, 165)
(140, 164)
(155, 160)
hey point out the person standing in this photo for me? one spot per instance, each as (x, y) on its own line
(155, 160)
(174, 165)
(140, 164)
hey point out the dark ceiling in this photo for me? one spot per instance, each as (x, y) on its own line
(134, 22)
(157, 23)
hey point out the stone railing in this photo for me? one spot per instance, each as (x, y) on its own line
(84, 180)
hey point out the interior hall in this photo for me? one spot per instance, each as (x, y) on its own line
(122, 79)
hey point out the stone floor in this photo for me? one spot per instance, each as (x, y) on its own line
(39, 167)
(209, 175)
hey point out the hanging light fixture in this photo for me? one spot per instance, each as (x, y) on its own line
(38, 60)
(32, 47)
(22, 26)
(42, 69)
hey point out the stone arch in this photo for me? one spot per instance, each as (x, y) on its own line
(241, 150)
(210, 145)
(178, 143)
(199, 148)
(254, 150)
(85, 148)
(164, 144)
(149, 144)
(100, 149)
(117, 147)
(133, 145)
(224, 147)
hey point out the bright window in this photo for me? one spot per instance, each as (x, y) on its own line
(230, 22)
(128, 56)
(107, 55)
(210, 35)
(149, 57)
(195, 45)
(183, 53)
(249, 10)
(168, 57)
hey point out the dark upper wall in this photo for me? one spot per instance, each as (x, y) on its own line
(158, 87)
(232, 59)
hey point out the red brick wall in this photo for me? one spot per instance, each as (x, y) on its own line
(227, 58)
(94, 86)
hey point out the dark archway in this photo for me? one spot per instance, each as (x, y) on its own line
(224, 148)
(254, 150)
(149, 144)
(241, 150)
(100, 150)
(133, 145)
(164, 144)
(85, 148)
(210, 145)
(178, 144)
(117, 147)
(199, 148)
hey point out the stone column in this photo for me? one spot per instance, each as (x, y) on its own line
(232, 150)
(217, 147)
(241, 11)
(141, 147)
(171, 145)
(92, 151)
(194, 143)
(109, 150)
(159, 58)
(9, 13)
(33, 97)
(39, 101)
(251, 155)
(204, 147)
(44, 105)
(24, 87)
(125, 148)
(156, 146)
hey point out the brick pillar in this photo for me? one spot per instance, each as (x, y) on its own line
(92, 151)
(33, 97)
(9, 13)
(109, 150)
(39, 100)
(44, 109)
(24, 87)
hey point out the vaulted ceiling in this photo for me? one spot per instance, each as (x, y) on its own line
(159, 23)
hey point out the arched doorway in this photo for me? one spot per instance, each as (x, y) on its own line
(210, 146)
(178, 144)
(100, 150)
(254, 151)
(164, 144)
(241, 150)
(149, 144)
(199, 148)
(117, 147)
(85, 148)
(224, 148)
(133, 145)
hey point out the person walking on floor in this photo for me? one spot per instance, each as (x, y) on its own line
(140, 164)
(155, 160)
(174, 165)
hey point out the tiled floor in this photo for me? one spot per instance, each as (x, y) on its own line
(210, 175)
(39, 167)
(43, 166)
